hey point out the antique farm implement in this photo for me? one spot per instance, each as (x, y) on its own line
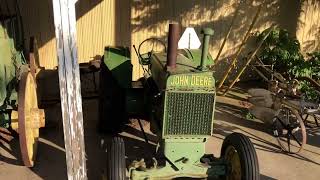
(18, 89)
(284, 107)
(177, 95)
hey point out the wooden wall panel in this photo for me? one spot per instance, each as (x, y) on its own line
(309, 26)
(126, 22)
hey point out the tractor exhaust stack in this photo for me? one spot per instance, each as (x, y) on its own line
(207, 32)
(173, 38)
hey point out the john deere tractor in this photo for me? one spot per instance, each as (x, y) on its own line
(177, 95)
(19, 112)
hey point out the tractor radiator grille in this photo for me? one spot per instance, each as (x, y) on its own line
(188, 113)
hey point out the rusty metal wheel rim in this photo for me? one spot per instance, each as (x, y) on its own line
(28, 136)
(286, 146)
(232, 156)
(33, 56)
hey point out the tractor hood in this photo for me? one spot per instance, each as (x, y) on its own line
(186, 74)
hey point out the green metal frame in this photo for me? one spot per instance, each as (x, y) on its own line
(117, 59)
(12, 64)
(184, 152)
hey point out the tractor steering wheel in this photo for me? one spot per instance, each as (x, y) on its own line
(145, 57)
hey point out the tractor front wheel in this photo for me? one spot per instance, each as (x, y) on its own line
(238, 151)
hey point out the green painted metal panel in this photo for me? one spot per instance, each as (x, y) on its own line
(187, 60)
(187, 63)
(195, 55)
(189, 105)
(7, 66)
(117, 59)
(192, 149)
(185, 154)
(11, 64)
(202, 81)
(188, 114)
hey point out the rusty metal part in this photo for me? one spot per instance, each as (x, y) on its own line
(30, 119)
(173, 38)
(33, 57)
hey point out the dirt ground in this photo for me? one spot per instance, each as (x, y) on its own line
(229, 118)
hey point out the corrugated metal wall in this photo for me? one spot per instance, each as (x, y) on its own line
(126, 22)
(309, 26)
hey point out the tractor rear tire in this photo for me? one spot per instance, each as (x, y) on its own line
(116, 167)
(238, 150)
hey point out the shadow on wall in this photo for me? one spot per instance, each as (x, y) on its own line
(38, 18)
(122, 22)
(94, 31)
(150, 16)
(313, 44)
(311, 26)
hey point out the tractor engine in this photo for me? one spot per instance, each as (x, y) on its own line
(178, 98)
(188, 94)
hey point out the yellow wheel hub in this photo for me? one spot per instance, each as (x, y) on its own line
(232, 156)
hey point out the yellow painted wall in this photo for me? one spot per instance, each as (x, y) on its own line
(309, 26)
(126, 22)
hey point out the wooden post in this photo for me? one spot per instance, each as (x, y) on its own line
(228, 32)
(70, 92)
(248, 61)
(233, 63)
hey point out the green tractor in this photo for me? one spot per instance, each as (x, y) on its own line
(19, 112)
(177, 95)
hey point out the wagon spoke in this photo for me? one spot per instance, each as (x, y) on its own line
(282, 124)
(316, 118)
(295, 138)
(288, 141)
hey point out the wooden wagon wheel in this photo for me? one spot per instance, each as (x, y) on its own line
(30, 118)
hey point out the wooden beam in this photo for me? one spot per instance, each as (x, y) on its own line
(244, 41)
(248, 61)
(69, 81)
(260, 73)
(272, 73)
(228, 32)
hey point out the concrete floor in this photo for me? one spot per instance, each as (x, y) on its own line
(229, 118)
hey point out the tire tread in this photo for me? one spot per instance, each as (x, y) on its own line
(247, 155)
(116, 167)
